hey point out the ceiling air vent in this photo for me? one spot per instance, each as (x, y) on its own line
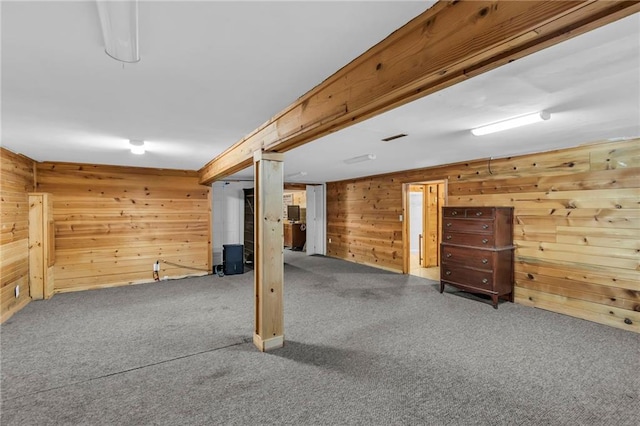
(398, 136)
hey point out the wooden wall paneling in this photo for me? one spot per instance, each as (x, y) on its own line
(41, 246)
(606, 179)
(37, 260)
(442, 202)
(610, 277)
(112, 223)
(606, 295)
(619, 156)
(16, 181)
(577, 223)
(9, 304)
(579, 308)
(431, 225)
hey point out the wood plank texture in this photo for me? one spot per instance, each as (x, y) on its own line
(577, 224)
(269, 257)
(112, 223)
(448, 43)
(16, 181)
(36, 247)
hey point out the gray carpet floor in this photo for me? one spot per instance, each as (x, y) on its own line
(363, 346)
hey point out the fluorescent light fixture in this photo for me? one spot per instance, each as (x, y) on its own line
(522, 120)
(119, 20)
(623, 138)
(137, 147)
(296, 175)
(360, 158)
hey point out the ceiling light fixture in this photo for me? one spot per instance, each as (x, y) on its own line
(137, 147)
(522, 120)
(360, 158)
(119, 21)
(296, 175)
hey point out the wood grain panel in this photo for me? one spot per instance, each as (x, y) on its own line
(580, 308)
(577, 223)
(426, 55)
(615, 296)
(112, 223)
(16, 181)
(610, 277)
(607, 179)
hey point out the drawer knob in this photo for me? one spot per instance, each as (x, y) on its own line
(478, 213)
(447, 273)
(485, 261)
(454, 213)
(448, 254)
(448, 237)
(484, 281)
(485, 226)
(448, 224)
(485, 241)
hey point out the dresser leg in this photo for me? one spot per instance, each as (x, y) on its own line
(495, 301)
(441, 286)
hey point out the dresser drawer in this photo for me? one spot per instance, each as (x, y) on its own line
(480, 212)
(469, 212)
(453, 212)
(470, 257)
(465, 225)
(482, 280)
(477, 240)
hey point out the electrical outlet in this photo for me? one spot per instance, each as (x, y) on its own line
(329, 240)
(17, 291)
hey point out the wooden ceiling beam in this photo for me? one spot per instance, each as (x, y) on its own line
(448, 43)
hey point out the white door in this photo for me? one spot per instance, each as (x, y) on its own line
(316, 232)
(415, 227)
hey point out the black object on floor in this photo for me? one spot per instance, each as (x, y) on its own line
(232, 258)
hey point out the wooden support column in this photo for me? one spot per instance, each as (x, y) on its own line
(268, 257)
(41, 245)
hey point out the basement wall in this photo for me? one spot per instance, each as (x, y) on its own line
(577, 224)
(112, 223)
(16, 181)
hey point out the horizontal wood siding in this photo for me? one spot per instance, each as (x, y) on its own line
(112, 223)
(16, 181)
(577, 224)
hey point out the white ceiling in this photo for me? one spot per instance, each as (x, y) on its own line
(211, 72)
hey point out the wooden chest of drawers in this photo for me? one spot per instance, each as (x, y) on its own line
(477, 250)
(295, 235)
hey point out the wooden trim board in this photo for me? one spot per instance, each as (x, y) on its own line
(448, 43)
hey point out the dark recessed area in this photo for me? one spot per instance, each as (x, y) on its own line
(398, 136)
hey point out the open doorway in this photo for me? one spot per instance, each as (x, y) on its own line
(295, 218)
(423, 207)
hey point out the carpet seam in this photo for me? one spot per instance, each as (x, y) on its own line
(243, 342)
